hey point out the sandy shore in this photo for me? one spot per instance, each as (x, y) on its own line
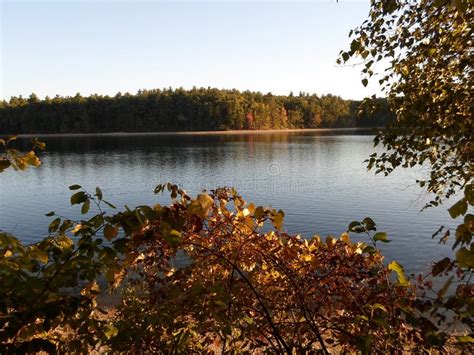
(196, 133)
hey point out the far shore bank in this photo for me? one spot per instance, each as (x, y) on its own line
(197, 133)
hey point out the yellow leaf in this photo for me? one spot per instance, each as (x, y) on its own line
(111, 331)
(278, 220)
(346, 239)
(77, 228)
(206, 202)
(330, 241)
(251, 208)
(39, 255)
(394, 266)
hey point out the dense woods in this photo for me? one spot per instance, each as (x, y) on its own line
(183, 110)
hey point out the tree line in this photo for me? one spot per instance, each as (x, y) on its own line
(184, 110)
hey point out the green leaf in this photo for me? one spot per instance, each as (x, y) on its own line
(465, 339)
(49, 214)
(109, 204)
(355, 46)
(465, 257)
(463, 234)
(78, 197)
(159, 188)
(365, 82)
(248, 320)
(369, 223)
(65, 226)
(355, 227)
(382, 237)
(75, 187)
(98, 193)
(39, 255)
(173, 238)
(85, 207)
(458, 209)
(64, 242)
(53, 226)
(369, 250)
(398, 269)
(259, 212)
(364, 344)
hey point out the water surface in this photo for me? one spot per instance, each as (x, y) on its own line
(318, 179)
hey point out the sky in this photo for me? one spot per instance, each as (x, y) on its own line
(65, 47)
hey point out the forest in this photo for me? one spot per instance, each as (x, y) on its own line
(198, 109)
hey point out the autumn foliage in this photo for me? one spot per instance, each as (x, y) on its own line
(243, 289)
(210, 275)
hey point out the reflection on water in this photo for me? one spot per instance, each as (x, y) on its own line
(318, 178)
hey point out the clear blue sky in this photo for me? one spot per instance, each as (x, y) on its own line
(64, 47)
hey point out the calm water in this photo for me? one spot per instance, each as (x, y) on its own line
(319, 179)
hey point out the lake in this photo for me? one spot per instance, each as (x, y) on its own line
(318, 179)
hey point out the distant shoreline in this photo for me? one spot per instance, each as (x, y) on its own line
(197, 133)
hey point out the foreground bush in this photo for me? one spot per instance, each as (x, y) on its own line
(211, 274)
(243, 289)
